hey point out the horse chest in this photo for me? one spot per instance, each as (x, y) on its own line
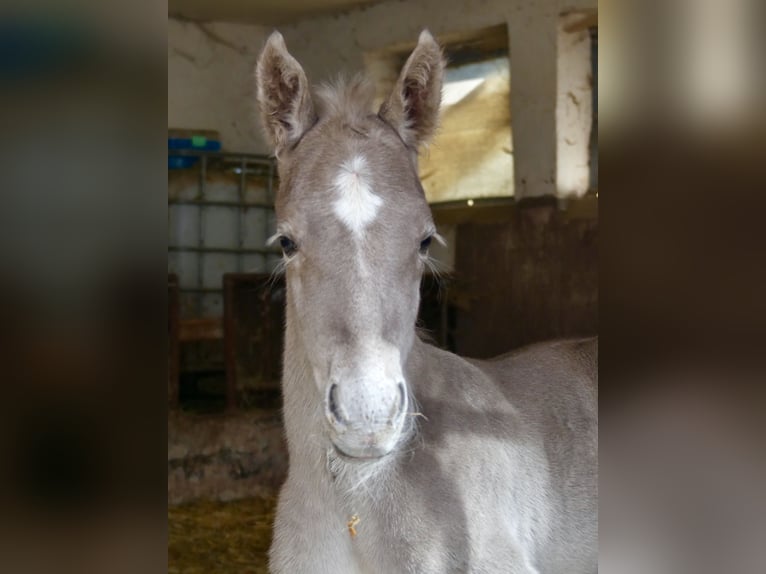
(396, 537)
(385, 553)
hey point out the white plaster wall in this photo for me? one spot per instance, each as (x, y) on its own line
(210, 81)
(328, 45)
(574, 110)
(210, 68)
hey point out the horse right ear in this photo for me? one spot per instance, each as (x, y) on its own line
(284, 97)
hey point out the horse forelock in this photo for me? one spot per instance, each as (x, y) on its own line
(349, 100)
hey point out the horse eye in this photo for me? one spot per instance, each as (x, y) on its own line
(288, 246)
(425, 244)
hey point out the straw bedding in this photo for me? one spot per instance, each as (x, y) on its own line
(220, 537)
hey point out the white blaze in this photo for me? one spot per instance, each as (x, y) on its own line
(356, 206)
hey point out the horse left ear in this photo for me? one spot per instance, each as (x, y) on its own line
(413, 106)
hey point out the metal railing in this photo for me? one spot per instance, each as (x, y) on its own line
(245, 166)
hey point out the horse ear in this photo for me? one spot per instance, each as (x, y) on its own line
(283, 93)
(413, 106)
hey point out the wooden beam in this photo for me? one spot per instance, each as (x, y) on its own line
(589, 20)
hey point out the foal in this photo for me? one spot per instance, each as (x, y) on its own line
(405, 458)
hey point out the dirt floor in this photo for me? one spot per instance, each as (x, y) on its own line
(225, 456)
(220, 537)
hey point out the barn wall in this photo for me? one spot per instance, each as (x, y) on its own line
(210, 67)
(574, 111)
(529, 278)
(328, 45)
(210, 81)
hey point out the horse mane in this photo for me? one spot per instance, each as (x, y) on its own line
(347, 99)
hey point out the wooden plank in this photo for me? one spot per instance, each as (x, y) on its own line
(205, 329)
(531, 278)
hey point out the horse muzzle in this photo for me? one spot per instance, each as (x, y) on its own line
(365, 417)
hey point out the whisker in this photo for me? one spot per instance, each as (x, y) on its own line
(438, 270)
(277, 272)
(417, 415)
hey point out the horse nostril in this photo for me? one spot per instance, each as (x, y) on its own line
(332, 403)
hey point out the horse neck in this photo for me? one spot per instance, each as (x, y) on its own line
(301, 401)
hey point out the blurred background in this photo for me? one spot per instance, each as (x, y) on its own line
(96, 330)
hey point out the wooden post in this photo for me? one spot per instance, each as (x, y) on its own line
(230, 341)
(174, 345)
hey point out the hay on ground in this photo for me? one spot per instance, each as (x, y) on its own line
(220, 537)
